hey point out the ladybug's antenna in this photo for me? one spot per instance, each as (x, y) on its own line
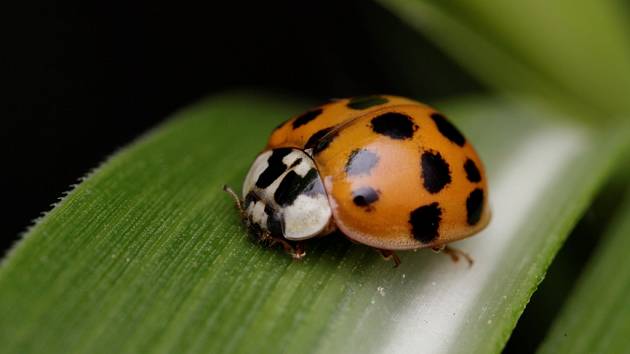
(237, 200)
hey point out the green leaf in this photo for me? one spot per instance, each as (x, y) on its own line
(596, 317)
(574, 53)
(148, 255)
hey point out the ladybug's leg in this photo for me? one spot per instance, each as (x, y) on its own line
(390, 255)
(454, 253)
(296, 252)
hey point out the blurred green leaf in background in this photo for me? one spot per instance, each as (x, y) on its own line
(147, 254)
(574, 53)
(595, 317)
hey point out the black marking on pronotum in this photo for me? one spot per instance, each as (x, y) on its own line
(306, 117)
(292, 185)
(425, 222)
(361, 162)
(296, 162)
(321, 139)
(448, 129)
(250, 198)
(394, 125)
(274, 169)
(364, 197)
(435, 171)
(364, 102)
(472, 172)
(474, 206)
(274, 222)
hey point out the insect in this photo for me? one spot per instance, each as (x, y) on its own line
(386, 171)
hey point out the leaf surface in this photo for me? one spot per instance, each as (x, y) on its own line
(148, 255)
(596, 317)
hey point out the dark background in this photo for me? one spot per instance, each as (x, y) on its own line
(82, 80)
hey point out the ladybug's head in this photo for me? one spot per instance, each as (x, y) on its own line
(284, 195)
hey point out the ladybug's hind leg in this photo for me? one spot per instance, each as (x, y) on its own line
(454, 253)
(390, 255)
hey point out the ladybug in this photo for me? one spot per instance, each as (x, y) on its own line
(386, 171)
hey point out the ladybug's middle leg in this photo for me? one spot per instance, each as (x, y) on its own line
(390, 255)
(454, 253)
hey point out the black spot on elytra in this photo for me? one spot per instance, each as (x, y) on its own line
(474, 206)
(364, 102)
(314, 139)
(472, 172)
(274, 223)
(435, 171)
(274, 169)
(425, 222)
(321, 140)
(394, 125)
(306, 117)
(364, 196)
(292, 185)
(361, 162)
(448, 129)
(250, 198)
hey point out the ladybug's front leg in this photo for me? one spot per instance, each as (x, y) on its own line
(296, 252)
